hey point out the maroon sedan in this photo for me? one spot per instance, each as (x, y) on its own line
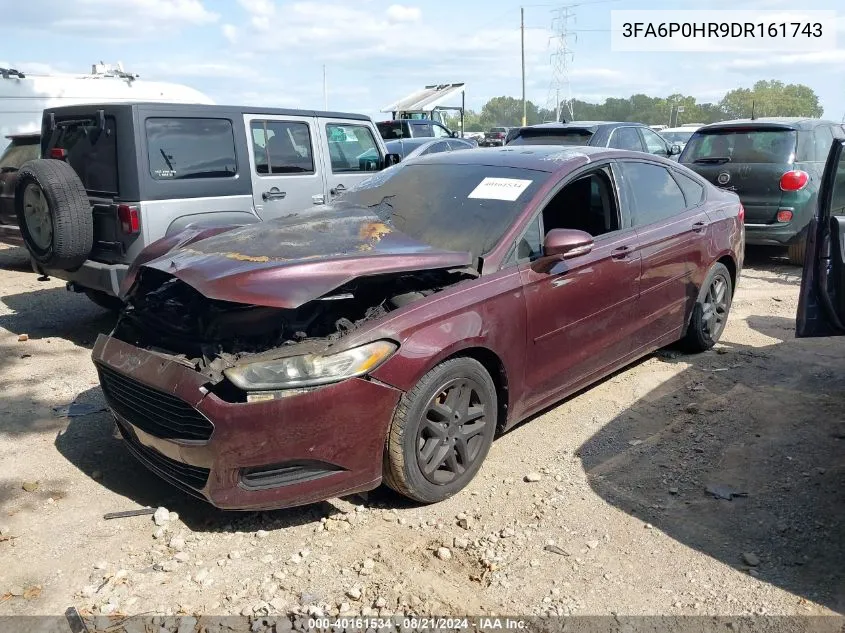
(391, 335)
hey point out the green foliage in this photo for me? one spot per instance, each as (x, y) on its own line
(769, 98)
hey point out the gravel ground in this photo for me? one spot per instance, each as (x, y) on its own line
(597, 506)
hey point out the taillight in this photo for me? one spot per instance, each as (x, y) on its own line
(58, 153)
(794, 180)
(130, 219)
(741, 214)
(784, 215)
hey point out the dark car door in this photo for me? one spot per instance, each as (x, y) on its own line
(579, 309)
(671, 224)
(821, 303)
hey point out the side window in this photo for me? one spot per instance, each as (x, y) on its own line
(823, 140)
(530, 245)
(459, 144)
(837, 202)
(17, 154)
(282, 147)
(421, 128)
(626, 138)
(653, 142)
(352, 148)
(440, 131)
(436, 148)
(656, 195)
(588, 204)
(182, 149)
(693, 192)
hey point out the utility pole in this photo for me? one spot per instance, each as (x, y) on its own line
(561, 58)
(522, 47)
(325, 91)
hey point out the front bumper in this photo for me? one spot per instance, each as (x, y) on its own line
(300, 449)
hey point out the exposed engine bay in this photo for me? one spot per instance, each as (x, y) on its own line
(166, 315)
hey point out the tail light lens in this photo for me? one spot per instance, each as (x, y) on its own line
(784, 215)
(130, 219)
(741, 214)
(58, 153)
(794, 180)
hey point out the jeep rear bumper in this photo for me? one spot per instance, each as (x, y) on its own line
(93, 275)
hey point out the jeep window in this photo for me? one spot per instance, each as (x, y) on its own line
(282, 147)
(741, 145)
(182, 149)
(352, 148)
(91, 152)
(20, 151)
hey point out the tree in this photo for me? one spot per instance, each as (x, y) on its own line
(771, 98)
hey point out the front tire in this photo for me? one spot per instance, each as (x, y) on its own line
(442, 431)
(710, 312)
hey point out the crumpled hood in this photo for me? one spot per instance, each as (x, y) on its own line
(289, 261)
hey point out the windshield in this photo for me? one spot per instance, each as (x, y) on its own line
(741, 145)
(677, 137)
(452, 207)
(564, 136)
(19, 152)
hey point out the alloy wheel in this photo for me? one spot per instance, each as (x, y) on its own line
(715, 308)
(36, 211)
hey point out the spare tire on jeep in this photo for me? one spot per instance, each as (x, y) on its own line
(54, 214)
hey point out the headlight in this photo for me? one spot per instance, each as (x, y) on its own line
(309, 370)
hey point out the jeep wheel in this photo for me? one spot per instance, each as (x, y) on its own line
(54, 214)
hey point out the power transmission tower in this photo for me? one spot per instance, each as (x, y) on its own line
(561, 59)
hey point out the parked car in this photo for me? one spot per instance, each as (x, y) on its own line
(774, 165)
(21, 149)
(414, 128)
(406, 147)
(389, 335)
(821, 301)
(116, 177)
(494, 137)
(678, 135)
(628, 136)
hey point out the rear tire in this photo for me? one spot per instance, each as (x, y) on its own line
(54, 214)
(710, 312)
(107, 301)
(442, 431)
(797, 251)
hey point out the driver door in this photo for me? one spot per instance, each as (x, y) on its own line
(821, 303)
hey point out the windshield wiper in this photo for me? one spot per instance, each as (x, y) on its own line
(715, 160)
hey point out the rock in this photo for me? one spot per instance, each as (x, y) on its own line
(465, 523)
(443, 553)
(100, 565)
(201, 576)
(30, 486)
(97, 475)
(532, 477)
(460, 543)
(554, 549)
(368, 563)
(635, 442)
(246, 611)
(161, 516)
(182, 557)
(648, 526)
(592, 544)
(234, 555)
(174, 516)
(4, 530)
(692, 407)
(22, 338)
(159, 533)
(380, 603)
(177, 543)
(673, 490)
(279, 605)
(16, 592)
(751, 559)
(534, 563)
(354, 593)
(507, 533)
(267, 559)
(262, 534)
(166, 566)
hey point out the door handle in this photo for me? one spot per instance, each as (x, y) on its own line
(621, 252)
(698, 227)
(339, 189)
(273, 194)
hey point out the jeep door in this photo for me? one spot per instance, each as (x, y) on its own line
(821, 302)
(285, 164)
(351, 153)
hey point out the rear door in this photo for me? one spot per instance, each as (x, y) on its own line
(821, 303)
(748, 160)
(285, 166)
(351, 153)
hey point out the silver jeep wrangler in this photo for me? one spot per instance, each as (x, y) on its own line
(114, 178)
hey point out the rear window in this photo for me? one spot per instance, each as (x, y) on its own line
(91, 151)
(183, 148)
(742, 145)
(18, 153)
(390, 130)
(573, 136)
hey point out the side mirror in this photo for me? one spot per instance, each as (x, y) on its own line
(391, 159)
(567, 243)
(674, 150)
(456, 135)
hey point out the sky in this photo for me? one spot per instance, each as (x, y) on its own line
(272, 52)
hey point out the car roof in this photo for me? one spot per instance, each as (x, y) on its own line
(784, 122)
(593, 126)
(548, 158)
(678, 129)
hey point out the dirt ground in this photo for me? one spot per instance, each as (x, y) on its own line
(619, 521)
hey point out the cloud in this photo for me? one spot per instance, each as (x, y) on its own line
(779, 62)
(401, 13)
(135, 18)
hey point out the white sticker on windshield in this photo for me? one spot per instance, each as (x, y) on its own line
(500, 189)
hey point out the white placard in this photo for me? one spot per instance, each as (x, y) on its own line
(500, 189)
